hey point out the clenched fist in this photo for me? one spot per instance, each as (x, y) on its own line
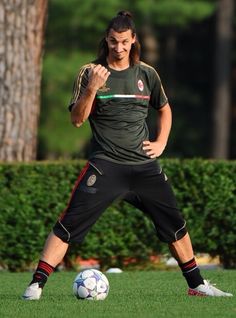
(98, 76)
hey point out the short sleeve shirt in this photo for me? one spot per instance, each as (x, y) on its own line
(119, 112)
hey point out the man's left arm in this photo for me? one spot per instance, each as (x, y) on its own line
(155, 148)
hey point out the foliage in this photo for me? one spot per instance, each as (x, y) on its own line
(57, 136)
(178, 13)
(31, 198)
(206, 195)
(34, 195)
(73, 19)
(79, 23)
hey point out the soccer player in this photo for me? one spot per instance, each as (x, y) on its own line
(114, 93)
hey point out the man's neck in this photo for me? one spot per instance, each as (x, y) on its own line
(118, 65)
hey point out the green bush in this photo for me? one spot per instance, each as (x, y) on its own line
(34, 195)
(206, 191)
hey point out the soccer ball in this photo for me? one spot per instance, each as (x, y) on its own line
(91, 284)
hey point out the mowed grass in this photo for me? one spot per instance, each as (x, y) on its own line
(132, 294)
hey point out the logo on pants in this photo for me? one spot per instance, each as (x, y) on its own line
(91, 180)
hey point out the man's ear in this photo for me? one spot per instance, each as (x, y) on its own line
(134, 39)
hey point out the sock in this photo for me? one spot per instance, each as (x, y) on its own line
(42, 273)
(191, 273)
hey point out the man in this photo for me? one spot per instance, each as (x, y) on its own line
(114, 93)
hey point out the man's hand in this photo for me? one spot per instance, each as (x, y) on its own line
(98, 76)
(153, 149)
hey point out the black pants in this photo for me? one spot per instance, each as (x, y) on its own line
(101, 182)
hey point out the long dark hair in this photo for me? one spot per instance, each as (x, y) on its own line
(120, 23)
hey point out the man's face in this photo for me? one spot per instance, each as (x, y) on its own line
(119, 44)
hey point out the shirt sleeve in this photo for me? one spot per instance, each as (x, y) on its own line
(80, 84)
(158, 97)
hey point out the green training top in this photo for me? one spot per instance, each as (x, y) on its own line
(119, 112)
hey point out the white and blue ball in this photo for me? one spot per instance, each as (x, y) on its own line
(91, 284)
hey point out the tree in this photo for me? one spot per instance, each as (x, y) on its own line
(22, 24)
(221, 99)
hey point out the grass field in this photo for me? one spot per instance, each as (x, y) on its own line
(136, 294)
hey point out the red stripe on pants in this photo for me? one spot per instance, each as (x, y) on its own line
(82, 173)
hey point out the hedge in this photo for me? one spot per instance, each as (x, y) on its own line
(34, 194)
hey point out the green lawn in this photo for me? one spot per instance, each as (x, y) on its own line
(132, 294)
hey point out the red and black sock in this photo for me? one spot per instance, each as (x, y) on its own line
(191, 273)
(42, 273)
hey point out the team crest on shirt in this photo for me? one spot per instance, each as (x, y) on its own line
(91, 180)
(140, 85)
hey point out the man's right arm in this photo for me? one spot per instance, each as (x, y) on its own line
(80, 112)
(82, 108)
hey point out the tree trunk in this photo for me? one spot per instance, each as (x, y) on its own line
(170, 53)
(221, 99)
(149, 45)
(22, 24)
